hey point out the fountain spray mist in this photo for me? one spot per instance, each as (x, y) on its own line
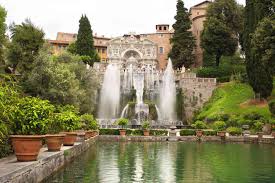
(110, 93)
(168, 94)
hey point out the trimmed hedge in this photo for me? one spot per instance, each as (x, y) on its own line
(234, 131)
(187, 132)
(108, 131)
(158, 132)
(209, 132)
(132, 132)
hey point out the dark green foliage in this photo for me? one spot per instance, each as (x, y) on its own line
(187, 132)
(108, 132)
(183, 41)
(27, 39)
(258, 71)
(234, 131)
(158, 132)
(31, 116)
(218, 39)
(258, 126)
(72, 48)
(271, 105)
(85, 42)
(146, 125)
(180, 105)
(132, 132)
(209, 132)
(123, 122)
(69, 119)
(3, 26)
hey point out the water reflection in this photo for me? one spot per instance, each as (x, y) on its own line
(172, 162)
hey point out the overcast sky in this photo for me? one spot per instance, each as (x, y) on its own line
(107, 17)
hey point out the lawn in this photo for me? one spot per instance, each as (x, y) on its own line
(232, 98)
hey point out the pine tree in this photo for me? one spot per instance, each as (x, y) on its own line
(259, 74)
(85, 40)
(183, 41)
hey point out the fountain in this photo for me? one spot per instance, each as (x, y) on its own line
(110, 93)
(168, 94)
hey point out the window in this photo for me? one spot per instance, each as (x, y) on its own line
(160, 28)
(165, 28)
(103, 50)
(161, 50)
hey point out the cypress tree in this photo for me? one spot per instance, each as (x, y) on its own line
(85, 40)
(183, 41)
(259, 74)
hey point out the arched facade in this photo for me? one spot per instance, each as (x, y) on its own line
(132, 49)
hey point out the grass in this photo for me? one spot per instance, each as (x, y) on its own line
(231, 98)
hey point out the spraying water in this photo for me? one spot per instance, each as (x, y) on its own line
(110, 93)
(168, 94)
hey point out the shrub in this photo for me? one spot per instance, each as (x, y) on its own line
(158, 132)
(234, 131)
(88, 122)
(219, 125)
(233, 121)
(187, 132)
(122, 122)
(146, 125)
(69, 119)
(31, 116)
(253, 116)
(210, 132)
(271, 105)
(133, 132)
(108, 131)
(258, 126)
(199, 125)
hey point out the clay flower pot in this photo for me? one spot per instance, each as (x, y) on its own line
(26, 147)
(221, 133)
(69, 138)
(54, 142)
(122, 132)
(87, 135)
(199, 133)
(146, 132)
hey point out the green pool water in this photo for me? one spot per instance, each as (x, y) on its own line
(111, 162)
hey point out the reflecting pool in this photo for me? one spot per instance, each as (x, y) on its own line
(112, 162)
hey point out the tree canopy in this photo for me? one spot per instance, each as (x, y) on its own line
(85, 41)
(3, 27)
(183, 42)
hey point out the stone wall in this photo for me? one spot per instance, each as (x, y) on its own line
(196, 91)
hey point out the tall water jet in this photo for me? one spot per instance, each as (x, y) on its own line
(168, 94)
(110, 93)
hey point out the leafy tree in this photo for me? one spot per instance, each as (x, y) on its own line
(183, 41)
(3, 27)
(85, 42)
(258, 71)
(218, 40)
(222, 28)
(27, 39)
(72, 48)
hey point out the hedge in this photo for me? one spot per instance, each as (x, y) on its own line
(187, 132)
(209, 132)
(158, 132)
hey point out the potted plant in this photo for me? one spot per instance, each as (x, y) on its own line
(30, 116)
(220, 126)
(146, 127)
(90, 125)
(199, 125)
(71, 122)
(54, 139)
(122, 122)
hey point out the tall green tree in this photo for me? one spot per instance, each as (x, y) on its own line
(27, 39)
(3, 27)
(222, 28)
(183, 42)
(258, 72)
(85, 41)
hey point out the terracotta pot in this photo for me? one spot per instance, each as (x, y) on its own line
(54, 142)
(199, 133)
(26, 147)
(221, 133)
(87, 135)
(122, 132)
(146, 132)
(69, 138)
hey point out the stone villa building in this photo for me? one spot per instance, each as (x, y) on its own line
(160, 39)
